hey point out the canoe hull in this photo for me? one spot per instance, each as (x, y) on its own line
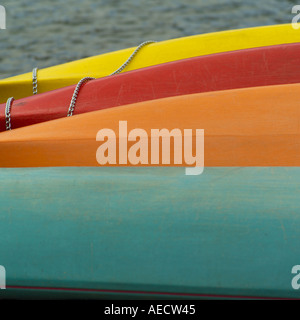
(166, 51)
(242, 127)
(150, 231)
(263, 66)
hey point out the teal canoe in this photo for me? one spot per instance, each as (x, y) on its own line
(149, 232)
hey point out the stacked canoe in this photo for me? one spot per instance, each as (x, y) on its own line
(70, 227)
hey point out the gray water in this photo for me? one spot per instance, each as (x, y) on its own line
(45, 33)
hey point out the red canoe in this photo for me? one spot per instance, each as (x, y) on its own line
(239, 69)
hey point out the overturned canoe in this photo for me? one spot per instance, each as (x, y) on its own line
(151, 232)
(239, 69)
(243, 127)
(152, 54)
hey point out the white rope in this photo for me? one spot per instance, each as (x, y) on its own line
(7, 113)
(86, 79)
(75, 95)
(34, 81)
(126, 63)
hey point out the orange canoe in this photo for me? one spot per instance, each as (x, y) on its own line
(243, 127)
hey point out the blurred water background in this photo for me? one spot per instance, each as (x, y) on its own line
(49, 32)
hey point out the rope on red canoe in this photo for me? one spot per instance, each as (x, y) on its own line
(86, 79)
(7, 113)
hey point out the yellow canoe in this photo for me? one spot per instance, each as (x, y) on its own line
(156, 53)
